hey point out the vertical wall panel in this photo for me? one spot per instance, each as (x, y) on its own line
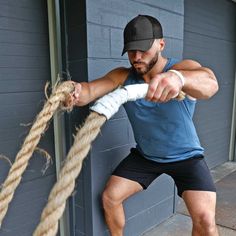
(81, 219)
(210, 38)
(24, 70)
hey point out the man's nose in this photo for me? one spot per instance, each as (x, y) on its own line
(137, 55)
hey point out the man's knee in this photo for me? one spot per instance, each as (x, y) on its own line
(111, 198)
(205, 221)
(117, 190)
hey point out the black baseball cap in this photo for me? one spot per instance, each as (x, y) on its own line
(140, 33)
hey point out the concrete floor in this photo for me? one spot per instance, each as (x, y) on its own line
(180, 224)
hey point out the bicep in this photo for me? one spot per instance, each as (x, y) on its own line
(108, 82)
(187, 65)
(191, 65)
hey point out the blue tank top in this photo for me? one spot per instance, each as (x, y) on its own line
(164, 132)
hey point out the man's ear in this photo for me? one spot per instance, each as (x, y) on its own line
(162, 44)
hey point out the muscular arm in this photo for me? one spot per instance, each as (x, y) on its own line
(200, 82)
(89, 91)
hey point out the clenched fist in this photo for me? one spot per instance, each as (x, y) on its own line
(164, 87)
(73, 98)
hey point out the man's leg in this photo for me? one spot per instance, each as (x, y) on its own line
(117, 190)
(201, 206)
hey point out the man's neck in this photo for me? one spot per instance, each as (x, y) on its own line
(157, 69)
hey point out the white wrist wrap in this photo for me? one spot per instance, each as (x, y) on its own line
(109, 104)
(179, 75)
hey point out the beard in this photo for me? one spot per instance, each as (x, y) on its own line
(146, 66)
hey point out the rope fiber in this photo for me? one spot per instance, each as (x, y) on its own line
(59, 95)
(65, 184)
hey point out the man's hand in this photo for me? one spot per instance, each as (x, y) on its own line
(73, 98)
(164, 87)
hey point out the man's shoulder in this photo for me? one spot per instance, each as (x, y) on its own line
(119, 74)
(121, 70)
(186, 64)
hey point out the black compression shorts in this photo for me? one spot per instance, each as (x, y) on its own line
(190, 174)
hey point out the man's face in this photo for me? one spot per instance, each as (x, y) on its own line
(143, 62)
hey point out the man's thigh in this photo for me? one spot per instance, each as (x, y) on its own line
(199, 202)
(192, 174)
(119, 188)
(138, 169)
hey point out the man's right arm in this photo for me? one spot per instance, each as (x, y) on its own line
(86, 92)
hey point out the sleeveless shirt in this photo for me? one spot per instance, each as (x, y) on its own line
(164, 132)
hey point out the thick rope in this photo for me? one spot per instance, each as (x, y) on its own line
(64, 187)
(59, 95)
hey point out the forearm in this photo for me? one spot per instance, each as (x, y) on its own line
(95, 89)
(199, 83)
(90, 91)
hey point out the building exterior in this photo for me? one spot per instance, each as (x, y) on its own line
(84, 37)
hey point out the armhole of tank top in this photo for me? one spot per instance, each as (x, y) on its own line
(128, 79)
(191, 99)
(170, 62)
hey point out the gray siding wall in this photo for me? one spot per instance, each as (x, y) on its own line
(81, 202)
(210, 38)
(24, 70)
(95, 45)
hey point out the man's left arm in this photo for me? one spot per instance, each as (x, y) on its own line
(199, 82)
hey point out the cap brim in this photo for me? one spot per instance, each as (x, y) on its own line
(140, 45)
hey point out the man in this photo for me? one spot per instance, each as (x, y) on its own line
(164, 132)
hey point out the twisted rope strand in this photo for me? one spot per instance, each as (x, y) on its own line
(64, 187)
(13, 179)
